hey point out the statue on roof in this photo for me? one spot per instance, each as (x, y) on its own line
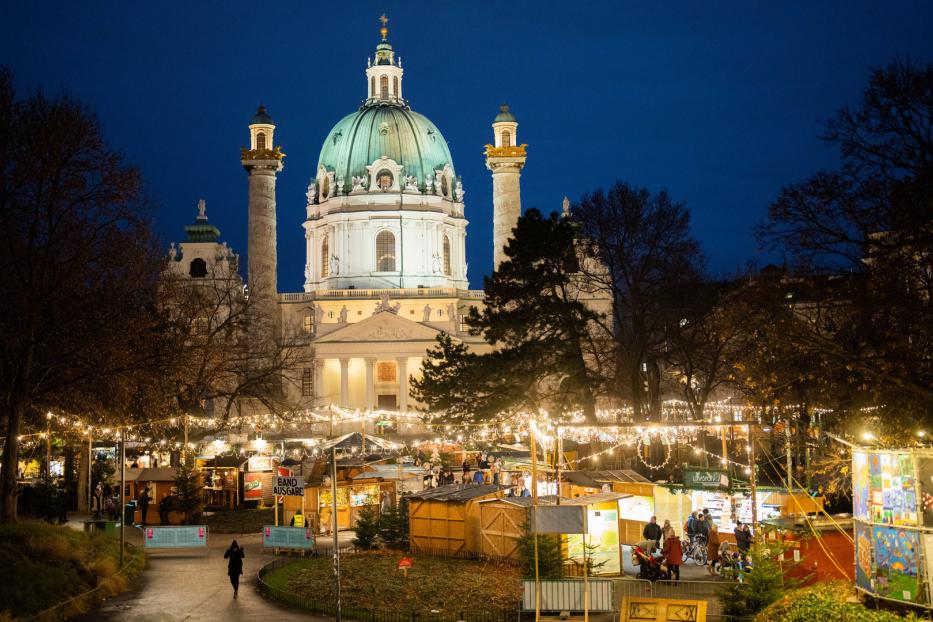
(202, 207)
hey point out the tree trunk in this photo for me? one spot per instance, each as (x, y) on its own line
(10, 464)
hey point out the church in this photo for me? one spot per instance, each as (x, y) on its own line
(385, 236)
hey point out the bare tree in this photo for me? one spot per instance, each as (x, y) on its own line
(78, 270)
(644, 248)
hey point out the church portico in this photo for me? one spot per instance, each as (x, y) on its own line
(365, 382)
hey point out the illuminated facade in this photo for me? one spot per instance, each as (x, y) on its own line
(385, 234)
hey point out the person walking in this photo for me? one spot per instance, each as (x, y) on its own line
(666, 531)
(97, 501)
(652, 531)
(144, 499)
(673, 555)
(235, 566)
(712, 550)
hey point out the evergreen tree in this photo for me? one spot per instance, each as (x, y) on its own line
(187, 489)
(764, 583)
(367, 529)
(393, 526)
(535, 316)
(550, 555)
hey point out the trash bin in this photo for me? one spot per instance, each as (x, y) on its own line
(129, 513)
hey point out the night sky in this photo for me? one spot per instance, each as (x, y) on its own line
(718, 102)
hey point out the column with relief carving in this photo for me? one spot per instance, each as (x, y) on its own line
(402, 383)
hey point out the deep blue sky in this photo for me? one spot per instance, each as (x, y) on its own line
(719, 102)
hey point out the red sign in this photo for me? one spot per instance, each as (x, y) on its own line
(200, 532)
(149, 534)
(307, 534)
(405, 562)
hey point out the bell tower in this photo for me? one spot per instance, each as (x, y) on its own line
(505, 158)
(262, 162)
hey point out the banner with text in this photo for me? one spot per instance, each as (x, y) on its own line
(182, 537)
(287, 537)
(705, 479)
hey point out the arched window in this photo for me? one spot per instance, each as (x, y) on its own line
(372, 86)
(395, 85)
(385, 252)
(506, 138)
(325, 257)
(384, 180)
(384, 87)
(261, 140)
(325, 188)
(446, 255)
(198, 268)
(445, 186)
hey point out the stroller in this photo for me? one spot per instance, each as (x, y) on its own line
(649, 567)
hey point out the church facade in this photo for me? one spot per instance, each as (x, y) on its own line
(385, 235)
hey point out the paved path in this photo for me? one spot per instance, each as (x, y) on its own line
(193, 586)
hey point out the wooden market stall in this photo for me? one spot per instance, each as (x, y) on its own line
(222, 481)
(160, 481)
(446, 520)
(355, 491)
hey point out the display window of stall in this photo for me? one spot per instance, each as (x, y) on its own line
(636, 508)
(602, 542)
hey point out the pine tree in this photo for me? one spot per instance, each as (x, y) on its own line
(765, 582)
(367, 529)
(541, 328)
(550, 555)
(393, 526)
(188, 489)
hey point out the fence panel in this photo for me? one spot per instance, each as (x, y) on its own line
(568, 595)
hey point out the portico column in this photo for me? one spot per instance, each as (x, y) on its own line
(345, 382)
(319, 393)
(402, 383)
(370, 384)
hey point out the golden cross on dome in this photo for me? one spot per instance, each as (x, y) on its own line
(384, 31)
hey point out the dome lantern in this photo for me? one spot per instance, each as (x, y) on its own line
(384, 74)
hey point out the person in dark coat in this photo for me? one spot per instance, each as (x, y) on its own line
(652, 531)
(144, 498)
(235, 566)
(743, 538)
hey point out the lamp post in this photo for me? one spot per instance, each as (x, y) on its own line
(333, 514)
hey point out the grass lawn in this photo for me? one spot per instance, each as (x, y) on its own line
(43, 565)
(239, 521)
(372, 581)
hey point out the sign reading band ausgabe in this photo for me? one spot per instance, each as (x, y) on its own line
(288, 485)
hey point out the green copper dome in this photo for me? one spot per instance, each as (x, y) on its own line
(389, 130)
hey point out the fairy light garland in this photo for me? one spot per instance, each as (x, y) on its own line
(652, 467)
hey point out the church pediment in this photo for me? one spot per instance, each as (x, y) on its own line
(383, 326)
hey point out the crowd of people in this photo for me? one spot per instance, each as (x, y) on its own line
(480, 468)
(662, 544)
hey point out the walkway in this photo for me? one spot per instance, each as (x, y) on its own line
(189, 585)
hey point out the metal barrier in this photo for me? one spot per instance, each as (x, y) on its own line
(568, 595)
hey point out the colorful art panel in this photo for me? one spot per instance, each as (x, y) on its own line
(860, 481)
(925, 468)
(896, 563)
(863, 556)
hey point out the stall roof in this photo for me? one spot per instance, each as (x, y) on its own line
(600, 497)
(456, 492)
(159, 474)
(389, 471)
(229, 462)
(595, 479)
(354, 440)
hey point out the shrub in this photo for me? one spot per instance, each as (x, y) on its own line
(764, 583)
(826, 602)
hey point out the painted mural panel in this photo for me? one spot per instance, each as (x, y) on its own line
(863, 556)
(860, 481)
(892, 497)
(925, 468)
(896, 561)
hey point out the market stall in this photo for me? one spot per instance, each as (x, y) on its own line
(222, 488)
(446, 520)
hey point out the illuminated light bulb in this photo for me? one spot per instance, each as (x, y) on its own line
(697, 450)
